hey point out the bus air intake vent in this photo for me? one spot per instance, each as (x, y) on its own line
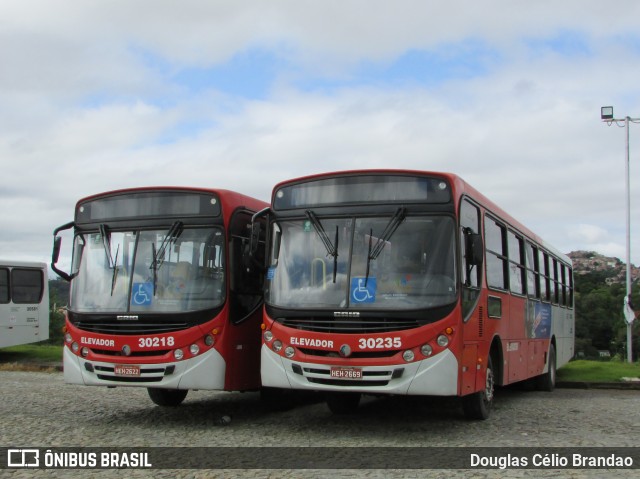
(349, 325)
(480, 322)
(107, 327)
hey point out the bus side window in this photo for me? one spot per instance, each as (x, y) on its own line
(4, 285)
(496, 247)
(471, 274)
(27, 286)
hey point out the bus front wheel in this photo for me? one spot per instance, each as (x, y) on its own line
(167, 397)
(342, 403)
(547, 381)
(478, 405)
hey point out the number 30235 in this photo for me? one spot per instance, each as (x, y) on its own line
(156, 342)
(379, 343)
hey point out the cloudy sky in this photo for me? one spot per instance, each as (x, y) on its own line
(100, 95)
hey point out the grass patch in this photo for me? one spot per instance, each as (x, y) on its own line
(598, 371)
(31, 353)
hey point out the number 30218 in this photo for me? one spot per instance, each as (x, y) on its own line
(156, 342)
(379, 343)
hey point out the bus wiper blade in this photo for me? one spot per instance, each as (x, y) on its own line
(113, 264)
(335, 257)
(366, 276)
(331, 249)
(154, 267)
(114, 277)
(172, 235)
(382, 240)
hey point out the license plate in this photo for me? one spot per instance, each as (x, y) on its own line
(126, 370)
(346, 373)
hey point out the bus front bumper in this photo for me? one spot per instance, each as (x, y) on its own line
(435, 376)
(206, 371)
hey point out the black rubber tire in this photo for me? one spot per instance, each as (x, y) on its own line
(276, 399)
(477, 406)
(343, 403)
(167, 397)
(547, 381)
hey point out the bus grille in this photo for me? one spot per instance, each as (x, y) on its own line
(353, 355)
(133, 328)
(349, 325)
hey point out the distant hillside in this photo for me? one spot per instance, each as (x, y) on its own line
(614, 270)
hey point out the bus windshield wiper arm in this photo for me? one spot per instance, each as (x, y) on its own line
(329, 246)
(106, 242)
(382, 240)
(158, 255)
(386, 235)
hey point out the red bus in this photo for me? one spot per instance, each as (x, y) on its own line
(408, 283)
(162, 295)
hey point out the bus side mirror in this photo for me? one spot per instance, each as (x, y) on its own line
(254, 239)
(55, 255)
(254, 236)
(474, 249)
(57, 243)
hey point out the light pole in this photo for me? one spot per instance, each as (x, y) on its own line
(606, 114)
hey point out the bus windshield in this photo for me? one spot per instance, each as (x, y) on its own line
(154, 271)
(385, 263)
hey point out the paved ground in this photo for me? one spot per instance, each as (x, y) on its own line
(39, 410)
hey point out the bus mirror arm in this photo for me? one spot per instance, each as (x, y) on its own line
(57, 243)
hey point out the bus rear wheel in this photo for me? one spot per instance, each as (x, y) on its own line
(342, 403)
(478, 405)
(167, 397)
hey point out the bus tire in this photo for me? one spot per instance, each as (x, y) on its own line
(478, 405)
(276, 399)
(167, 397)
(547, 381)
(342, 403)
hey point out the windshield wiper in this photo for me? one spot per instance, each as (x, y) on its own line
(113, 264)
(158, 255)
(329, 246)
(383, 239)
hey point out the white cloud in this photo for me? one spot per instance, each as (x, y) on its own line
(89, 105)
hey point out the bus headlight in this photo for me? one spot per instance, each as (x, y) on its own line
(277, 345)
(426, 350)
(442, 341)
(178, 354)
(68, 338)
(268, 336)
(194, 349)
(208, 340)
(289, 352)
(84, 352)
(408, 355)
(75, 347)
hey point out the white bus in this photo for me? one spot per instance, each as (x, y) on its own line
(24, 303)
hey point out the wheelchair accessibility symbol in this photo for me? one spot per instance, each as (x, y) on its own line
(361, 293)
(142, 294)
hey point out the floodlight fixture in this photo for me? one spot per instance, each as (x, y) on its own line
(606, 113)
